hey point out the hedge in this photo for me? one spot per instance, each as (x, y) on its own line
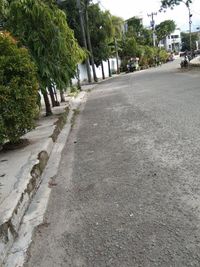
(18, 90)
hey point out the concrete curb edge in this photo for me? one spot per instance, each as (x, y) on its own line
(40, 173)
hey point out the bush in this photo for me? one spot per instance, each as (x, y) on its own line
(152, 56)
(163, 55)
(18, 90)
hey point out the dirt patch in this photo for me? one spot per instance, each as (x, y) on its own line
(60, 124)
(13, 146)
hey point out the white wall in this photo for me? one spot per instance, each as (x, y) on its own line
(83, 70)
(169, 41)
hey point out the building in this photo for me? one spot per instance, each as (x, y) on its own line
(172, 42)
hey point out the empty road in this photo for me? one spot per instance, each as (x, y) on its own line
(128, 187)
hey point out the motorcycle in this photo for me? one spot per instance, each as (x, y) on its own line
(184, 63)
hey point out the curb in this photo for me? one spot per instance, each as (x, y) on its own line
(10, 228)
(195, 63)
(10, 221)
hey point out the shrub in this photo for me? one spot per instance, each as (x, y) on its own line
(163, 55)
(18, 90)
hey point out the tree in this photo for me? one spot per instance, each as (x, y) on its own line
(129, 48)
(172, 3)
(164, 29)
(145, 37)
(89, 40)
(136, 29)
(102, 32)
(3, 7)
(77, 18)
(18, 90)
(72, 16)
(118, 31)
(185, 37)
(41, 26)
(118, 25)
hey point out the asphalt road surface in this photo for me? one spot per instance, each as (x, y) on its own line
(128, 188)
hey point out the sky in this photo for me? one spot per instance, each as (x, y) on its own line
(129, 8)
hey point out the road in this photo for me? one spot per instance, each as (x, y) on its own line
(128, 187)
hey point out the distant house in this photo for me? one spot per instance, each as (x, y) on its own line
(172, 42)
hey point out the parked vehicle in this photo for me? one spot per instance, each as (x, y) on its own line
(133, 64)
(171, 57)
(185, 62)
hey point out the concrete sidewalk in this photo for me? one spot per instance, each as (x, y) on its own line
(21, 170)
(195, 62)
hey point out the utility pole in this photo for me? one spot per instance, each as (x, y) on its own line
(84, 39)
(187, 4)
(153, 26)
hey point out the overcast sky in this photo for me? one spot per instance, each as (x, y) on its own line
(130, 8)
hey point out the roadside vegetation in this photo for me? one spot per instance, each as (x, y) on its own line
(42, 44)
(18, 90)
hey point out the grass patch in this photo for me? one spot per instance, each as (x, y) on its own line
(74, 91)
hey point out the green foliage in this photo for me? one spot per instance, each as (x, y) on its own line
(18, 90)
(135, 26)
(148, 55)
(3, 11)
(103, 27)
(164, 28)
(163, 55)
(136, 29)
(151, 56)
(185, 38)
(117, 24)
(129, 48)
(172, 3)
(73, 90)
(145, 37)
(73, 20)
(41, 26)
(101, 32)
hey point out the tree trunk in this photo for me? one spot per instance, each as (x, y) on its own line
(117, 56)
(62, 97)
(47, 104)
(55, 96)
(90, 45)
(109, 70)
(84, 39)
(53, 101)
(102, 69)
(78, 79)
